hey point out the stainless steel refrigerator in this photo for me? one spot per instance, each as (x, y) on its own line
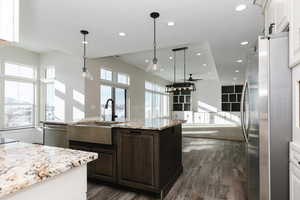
(266, 113)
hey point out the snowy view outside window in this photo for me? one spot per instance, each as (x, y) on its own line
(19, 96)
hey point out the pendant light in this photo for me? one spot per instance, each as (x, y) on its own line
(154, 64)
(180, 86)
(85, 72)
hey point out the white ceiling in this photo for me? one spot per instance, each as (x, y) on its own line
(55, 25)
(202, 66)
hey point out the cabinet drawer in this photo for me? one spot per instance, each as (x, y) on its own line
(136, 132)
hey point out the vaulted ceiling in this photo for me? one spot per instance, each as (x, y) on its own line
(55, 24)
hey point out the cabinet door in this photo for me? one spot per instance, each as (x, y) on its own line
(136, 158)
(105, 164)
(294, 182)
(277, 11)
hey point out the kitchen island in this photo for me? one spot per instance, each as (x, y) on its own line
(144, 155)
(29, 171)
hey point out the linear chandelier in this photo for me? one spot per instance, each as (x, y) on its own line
(180, 86)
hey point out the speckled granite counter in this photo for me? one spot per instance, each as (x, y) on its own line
(23, 165)
(155, 125)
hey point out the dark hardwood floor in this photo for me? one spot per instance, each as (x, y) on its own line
(213, 170)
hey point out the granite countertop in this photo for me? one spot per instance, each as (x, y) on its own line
(157, 124)
(154, 124)
(23, 165)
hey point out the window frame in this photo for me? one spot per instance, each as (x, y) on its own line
(48, 81)
(124, 74)
(18, 79)
(106, 69)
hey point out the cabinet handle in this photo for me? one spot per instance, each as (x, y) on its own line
(135, 132)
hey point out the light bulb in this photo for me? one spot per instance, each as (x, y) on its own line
(155, 67)
(84, 74)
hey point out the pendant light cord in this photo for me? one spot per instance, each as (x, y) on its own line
(174, 66)
(154, 42)
(84, 53)
(184, 60)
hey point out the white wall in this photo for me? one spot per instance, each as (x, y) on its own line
(208, 92)
(19, 55)
(68, 76)
(136, 90)
(296, 103)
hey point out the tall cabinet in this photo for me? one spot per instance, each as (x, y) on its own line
(277, 12)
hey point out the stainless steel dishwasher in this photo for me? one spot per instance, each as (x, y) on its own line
(55, 135)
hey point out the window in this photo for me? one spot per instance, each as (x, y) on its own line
(19, 104)
(119, 96)
(105, 94)
(50, 93)
(9, 20)
(18, 71)
(156, 101)
(106, 74)
(120, 99)
(18, 96)
(123, 79)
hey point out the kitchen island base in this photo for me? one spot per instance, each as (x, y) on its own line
(139, 158)
(71, 185)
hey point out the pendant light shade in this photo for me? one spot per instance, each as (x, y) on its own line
(154, 66)
(85, 72)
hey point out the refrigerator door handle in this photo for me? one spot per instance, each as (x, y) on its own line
(243, 111)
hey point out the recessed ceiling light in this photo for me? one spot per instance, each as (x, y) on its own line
(235, 78)
(198, 54)
(204, 65)
(146, 61)
(122, 34)
(171, 23)
(171, 58)
(239, 61)
(237, 71)
(240, 7)
(244, 43)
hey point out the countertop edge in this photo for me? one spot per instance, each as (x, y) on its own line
(24, 184)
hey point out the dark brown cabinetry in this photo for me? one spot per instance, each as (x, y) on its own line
(149, 160)
(136, 158)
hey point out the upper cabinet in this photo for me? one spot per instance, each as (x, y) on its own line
(277, 12)
(9, 20)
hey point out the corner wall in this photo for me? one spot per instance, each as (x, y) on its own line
(208, 92)
(68, 82)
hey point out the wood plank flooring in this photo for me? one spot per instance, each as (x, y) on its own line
(213, 170)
